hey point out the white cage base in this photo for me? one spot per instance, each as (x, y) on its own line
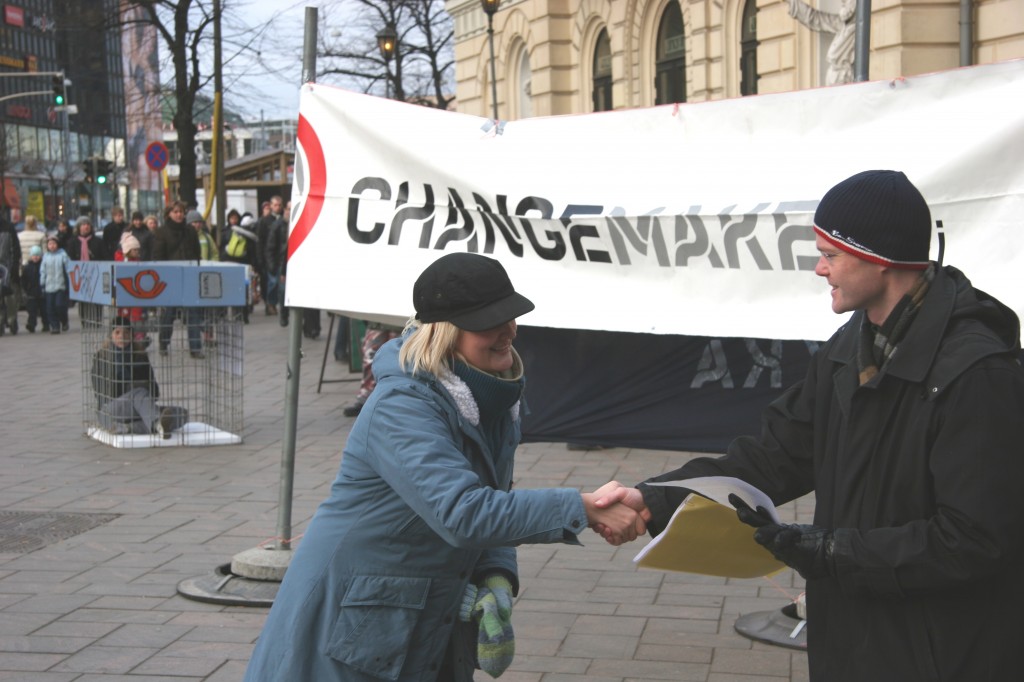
(194, 434)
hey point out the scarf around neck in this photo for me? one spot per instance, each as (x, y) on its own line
(85, 246)
(878, 343)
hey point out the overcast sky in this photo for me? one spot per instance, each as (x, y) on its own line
(273, 85)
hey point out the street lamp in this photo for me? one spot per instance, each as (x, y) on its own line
(490, 7)
(387, 43)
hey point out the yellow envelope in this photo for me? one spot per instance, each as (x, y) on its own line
(706, 537)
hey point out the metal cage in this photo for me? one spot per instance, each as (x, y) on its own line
(169, 375)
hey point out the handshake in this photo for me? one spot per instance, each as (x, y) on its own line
(616, 513)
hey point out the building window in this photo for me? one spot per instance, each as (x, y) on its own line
(748, 49)
(524, 89)
(670, 57)
(603, 73)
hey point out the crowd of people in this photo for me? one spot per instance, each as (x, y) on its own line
(33, 261)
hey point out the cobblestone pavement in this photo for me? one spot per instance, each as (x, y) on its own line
(101, 605)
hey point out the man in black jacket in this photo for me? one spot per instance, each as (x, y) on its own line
(908, 430)
(113, 230)
(10, 277)
(265, 258)
(177, 240)
(139, 230)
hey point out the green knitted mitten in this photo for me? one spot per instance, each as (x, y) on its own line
(496, 643)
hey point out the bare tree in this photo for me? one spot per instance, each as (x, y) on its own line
(182, 24)
(421, 70)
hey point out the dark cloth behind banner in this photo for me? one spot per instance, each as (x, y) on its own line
(651, 391)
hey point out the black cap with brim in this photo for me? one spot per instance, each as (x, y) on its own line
(493, 314)
(471, 291)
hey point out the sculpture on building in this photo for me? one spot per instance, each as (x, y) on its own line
(842, 25)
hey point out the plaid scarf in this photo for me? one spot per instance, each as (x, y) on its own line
(877, 344)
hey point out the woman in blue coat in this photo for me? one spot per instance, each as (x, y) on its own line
(407, 570)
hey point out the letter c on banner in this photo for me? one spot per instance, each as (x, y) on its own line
(316, 184)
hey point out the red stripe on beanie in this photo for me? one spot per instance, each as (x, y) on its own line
(870, 257)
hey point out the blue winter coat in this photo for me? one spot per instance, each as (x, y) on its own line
(419, 508)
(53, 271)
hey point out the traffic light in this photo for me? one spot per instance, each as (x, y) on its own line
(58, 90)
(104, 169)
(88, 168)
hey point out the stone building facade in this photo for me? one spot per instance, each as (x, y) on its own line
(578, 56)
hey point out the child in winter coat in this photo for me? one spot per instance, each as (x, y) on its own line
(53, 281)
(32, 291)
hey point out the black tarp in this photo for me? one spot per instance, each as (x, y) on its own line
(653, 391)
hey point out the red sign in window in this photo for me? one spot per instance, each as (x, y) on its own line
(15, 16)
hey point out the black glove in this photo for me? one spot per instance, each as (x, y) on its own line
(806, 548)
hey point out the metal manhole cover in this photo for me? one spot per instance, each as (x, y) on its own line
(24, 532)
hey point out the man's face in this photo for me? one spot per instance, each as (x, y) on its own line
(275, 206)
(85, 229)
(117, 216)
(177, 214)
(856, 284)
(136, 223)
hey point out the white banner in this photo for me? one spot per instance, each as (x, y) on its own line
(682, 219)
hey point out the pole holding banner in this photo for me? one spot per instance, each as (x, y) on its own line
(862, 50)
(255, 574)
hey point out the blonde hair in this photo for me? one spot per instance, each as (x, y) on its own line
(31, 223)
(428, 347)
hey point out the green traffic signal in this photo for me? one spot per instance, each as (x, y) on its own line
(58, 90)
(104, 170)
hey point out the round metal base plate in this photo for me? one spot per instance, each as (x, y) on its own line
(224, 587)
(773, 627)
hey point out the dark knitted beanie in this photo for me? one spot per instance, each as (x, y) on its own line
(879, 216)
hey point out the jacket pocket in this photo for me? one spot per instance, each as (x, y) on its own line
(376, 623)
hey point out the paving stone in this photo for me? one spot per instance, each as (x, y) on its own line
(106, 660)
(44, 645)
(29, 662)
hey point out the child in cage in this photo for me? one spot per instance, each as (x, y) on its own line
(126, 388)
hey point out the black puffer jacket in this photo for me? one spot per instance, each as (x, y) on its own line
(920, 472)
(176, 241)
(116, 371)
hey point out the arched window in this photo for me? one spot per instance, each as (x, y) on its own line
(603, 73)
(670, 57)
(525, 99)
(748, 49)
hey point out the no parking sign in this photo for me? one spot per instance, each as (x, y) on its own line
(157, 155)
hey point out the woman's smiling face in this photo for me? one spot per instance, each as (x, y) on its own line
(489, 350)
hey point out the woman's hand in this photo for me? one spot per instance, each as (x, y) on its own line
(613, 493)
(617, 523)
